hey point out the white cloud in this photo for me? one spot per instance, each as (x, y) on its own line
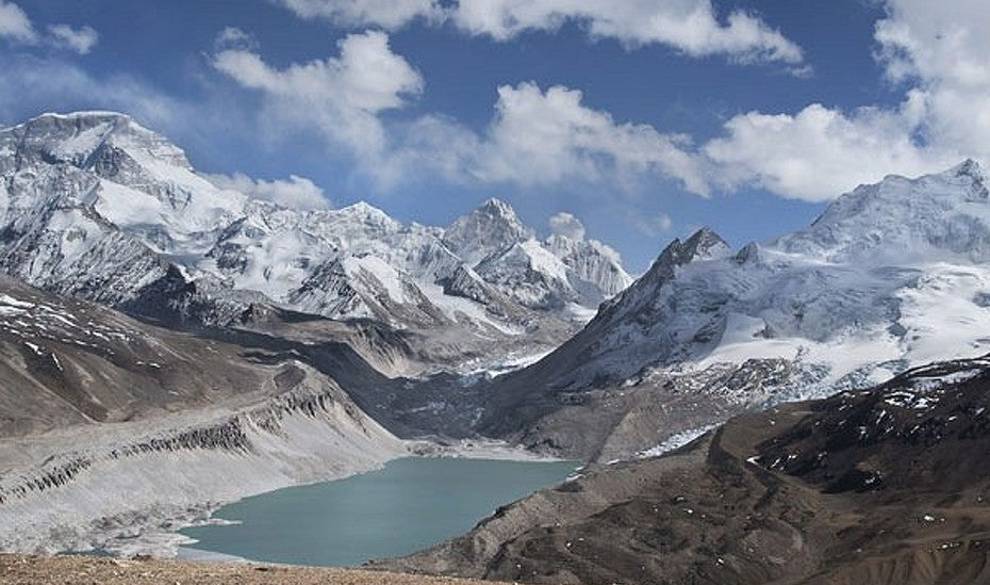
(15, 24)
(937, 51)
(689, 26)
(388, 14)
(232, 37)
(339, 96)
(535, 137)
(81, 40)
(296, 192)
(651, 225)
(692, 27)
(820, 153)
(540, 138)
(566, 224)
(940, 49)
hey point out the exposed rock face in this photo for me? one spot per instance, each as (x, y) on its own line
(884, 486)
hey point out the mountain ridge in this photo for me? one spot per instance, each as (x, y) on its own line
(95, 205)
(889, 276)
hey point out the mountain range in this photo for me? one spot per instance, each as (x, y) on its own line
(151, 320)
(95, 206)
(890, 276)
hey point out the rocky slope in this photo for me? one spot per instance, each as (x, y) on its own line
(880, 486)
(98, 408)
(95, 206)
(891, 275)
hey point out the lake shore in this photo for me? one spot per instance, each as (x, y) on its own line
(170, 544)
(410, 505)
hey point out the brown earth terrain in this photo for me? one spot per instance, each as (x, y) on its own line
(83, 570)
(881, 487)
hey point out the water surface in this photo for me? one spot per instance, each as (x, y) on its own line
(409, 505)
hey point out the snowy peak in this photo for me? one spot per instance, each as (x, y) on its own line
(705, 244)
(592, 262)
(890, 275)
(367, 214)
(97, 206)
(92, 140)
(969, 168)
(488, 229)
(899, 219)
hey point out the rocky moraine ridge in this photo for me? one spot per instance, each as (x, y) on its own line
(885, 486)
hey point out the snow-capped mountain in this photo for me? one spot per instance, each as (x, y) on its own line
(890, 276)
(94, 205)
(485, 231)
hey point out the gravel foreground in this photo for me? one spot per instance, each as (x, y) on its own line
(83, 570)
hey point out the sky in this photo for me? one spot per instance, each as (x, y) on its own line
(631, 122)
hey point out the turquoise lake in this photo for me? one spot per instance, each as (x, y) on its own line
(409, 505)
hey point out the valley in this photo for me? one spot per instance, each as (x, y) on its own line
(169, 347)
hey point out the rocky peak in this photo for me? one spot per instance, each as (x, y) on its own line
(969, 168)
(705, 244)
(488, 229)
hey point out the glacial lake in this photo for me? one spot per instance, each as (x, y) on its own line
(409, 505)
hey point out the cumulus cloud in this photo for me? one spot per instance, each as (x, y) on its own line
(81, 40)
(566, 224)
(388, 14)
(536, 137)
(819, 152)
(340, 96)
(940, 51)
(689, 26)
(692, 27)
(937, 53)
(546, 137)
(542, 137)
(15, 24)
(296, 192)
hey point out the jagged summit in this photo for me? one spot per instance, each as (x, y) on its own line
(705, 244)
(496, 206)
(366, 213)
(491, 228)
(969, 167)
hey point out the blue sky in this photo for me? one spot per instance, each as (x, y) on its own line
(671, 130)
